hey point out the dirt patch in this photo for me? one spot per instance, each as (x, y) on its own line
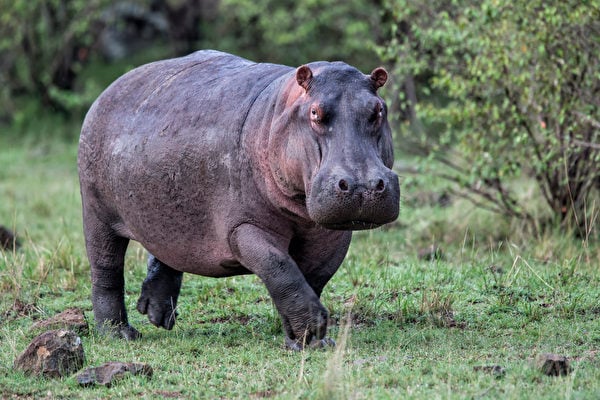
(495, 370)
(263, 394)
(447, 320)
(589, 355)
(240, 319)
(25, 396)
(20, 309)
(168, 395)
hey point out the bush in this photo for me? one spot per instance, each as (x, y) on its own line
(515, 89)
(293, 33)
(43, 44)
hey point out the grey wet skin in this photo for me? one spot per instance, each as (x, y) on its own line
(220, 166)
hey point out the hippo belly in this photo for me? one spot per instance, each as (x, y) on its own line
(180, 204)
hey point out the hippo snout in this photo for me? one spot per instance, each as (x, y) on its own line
(348, 202)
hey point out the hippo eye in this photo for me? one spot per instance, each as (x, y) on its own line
(316, 115)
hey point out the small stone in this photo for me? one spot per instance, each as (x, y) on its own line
(52, 354)
(110, 372)
(8, 240)
(553, 364)
(72, 319)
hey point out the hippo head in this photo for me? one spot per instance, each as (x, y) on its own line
(338, 155)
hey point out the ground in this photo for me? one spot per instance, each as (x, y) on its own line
(406, 327)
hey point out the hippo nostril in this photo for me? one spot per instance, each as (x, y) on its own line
(343, 185)
(380, 186)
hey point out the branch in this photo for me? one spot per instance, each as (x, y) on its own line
(508, 202)
(481, 193)
(587, 119)
(479, 204)
(544, 179)
(450, 164)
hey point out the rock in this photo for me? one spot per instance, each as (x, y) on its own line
(444, 200)
(71, 318)
(8, 240)
(495, 370)
(553, 364)
(431, 253)
(52, 354)
(108, 373)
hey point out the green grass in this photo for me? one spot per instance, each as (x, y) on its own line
(406, 328)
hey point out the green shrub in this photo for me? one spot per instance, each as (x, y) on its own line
(42, 46)
(506, 89)
(293, 33)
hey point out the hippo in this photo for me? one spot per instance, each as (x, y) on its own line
(219, 166)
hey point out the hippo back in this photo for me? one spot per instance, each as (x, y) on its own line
(175, 95)
(161, 146)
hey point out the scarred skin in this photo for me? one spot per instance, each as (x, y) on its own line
(220, 166)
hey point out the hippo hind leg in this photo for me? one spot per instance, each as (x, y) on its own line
(106, 253)
(160, 291)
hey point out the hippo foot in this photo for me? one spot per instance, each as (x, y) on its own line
(121, 331)
(295, 345)
(160, 314)
(129, 333)
(160, 291)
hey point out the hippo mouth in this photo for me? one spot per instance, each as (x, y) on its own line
(342, 204)
(351, 225)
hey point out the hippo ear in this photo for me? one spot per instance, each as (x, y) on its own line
(379, 77)
(304, 76)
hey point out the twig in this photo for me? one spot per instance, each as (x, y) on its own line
(517, 258)
(588, 119)
(583, 143)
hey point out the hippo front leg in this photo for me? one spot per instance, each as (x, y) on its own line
(304, 317)
(160, 292)
(319, 254)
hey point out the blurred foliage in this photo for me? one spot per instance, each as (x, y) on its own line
(296, 32)
(505, 88)
(43, 44)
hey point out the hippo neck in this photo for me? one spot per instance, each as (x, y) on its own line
(270, 146)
